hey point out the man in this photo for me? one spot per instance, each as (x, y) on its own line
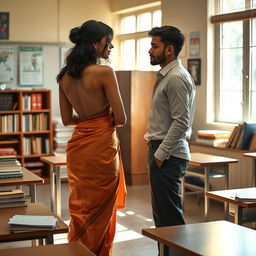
(169, 126)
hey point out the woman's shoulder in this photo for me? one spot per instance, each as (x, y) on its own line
(99, 69)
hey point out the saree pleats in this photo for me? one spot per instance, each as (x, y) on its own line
(96, 182)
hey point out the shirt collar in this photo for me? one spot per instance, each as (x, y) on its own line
(168, 67)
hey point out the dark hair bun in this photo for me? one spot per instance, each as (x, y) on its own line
(75, 35)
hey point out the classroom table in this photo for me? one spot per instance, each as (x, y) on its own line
(70, 249)
(253, 156)
(32, 209)
(215, 238)
(208, 163)
(228, 196)
(28, 178)
(55, 163)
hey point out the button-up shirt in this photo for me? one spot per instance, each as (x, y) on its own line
(172, 111)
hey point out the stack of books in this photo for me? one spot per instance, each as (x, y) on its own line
(62, 135)
(30, 223)
(243, 136)
(7, 151)
(215, 138)
(10, 167)
(12, 198)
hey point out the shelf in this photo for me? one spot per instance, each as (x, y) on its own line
(36, 155)
(5, 112)
(35, 132)
(35, 111)
(10, 133)
(7, 142)
(194, 143)
(200, 173)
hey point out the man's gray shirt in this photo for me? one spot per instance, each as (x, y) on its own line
(172, 111)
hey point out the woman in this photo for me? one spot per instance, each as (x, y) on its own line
(95, 172)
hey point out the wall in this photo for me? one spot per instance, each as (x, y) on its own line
(47, 23)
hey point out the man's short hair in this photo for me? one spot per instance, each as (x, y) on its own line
(169, 36)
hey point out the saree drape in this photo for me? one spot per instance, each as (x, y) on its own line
(96, 182)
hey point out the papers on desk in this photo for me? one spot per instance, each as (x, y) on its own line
(245, 196)
(12, 198)
(28, 223)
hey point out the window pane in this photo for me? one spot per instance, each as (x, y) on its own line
(232, 6)
(232, 34)
(231, 69)
(253, 68)
(230, 106)
(157, 18)
(143, 60)
(253, 31)
(254, 4)
(128, 25)
(128, 55)
(144, 21)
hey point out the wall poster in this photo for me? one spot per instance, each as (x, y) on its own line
(6, 64)
(31, 66)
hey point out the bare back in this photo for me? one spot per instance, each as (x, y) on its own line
(93, 95)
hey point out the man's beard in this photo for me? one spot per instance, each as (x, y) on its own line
(157, 60)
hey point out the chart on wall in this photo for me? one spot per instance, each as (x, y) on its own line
(6, 64)
(31, 66)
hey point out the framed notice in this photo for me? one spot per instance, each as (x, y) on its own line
(194, 44)
(194, 68)
(31, 66)
(6, 64)
(4, 25)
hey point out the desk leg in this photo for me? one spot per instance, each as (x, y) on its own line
(226, 205)
(206, 188)
(32, 189)
(52, 188)
(238, 215)
(58, 190)
(161, 249)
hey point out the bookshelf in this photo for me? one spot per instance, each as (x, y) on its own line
(26, 127)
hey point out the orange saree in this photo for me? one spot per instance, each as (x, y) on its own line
(96, 182)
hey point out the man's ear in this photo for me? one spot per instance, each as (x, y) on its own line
(169, 50)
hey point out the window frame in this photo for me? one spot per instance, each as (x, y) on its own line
(246, 103)
(135, 35)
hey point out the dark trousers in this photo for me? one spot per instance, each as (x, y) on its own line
(165, 189)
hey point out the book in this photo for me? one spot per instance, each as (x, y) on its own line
(26, 223)
(250, 128)
(252, 146)
(213, 142)
(16, 193)
(214, 134)
(236, 136)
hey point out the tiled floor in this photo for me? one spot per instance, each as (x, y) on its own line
(136, 216)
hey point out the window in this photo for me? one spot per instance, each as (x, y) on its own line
(134, 40)
(235, 60)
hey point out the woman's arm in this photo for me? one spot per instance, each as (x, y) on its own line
(109, 82)
(66, 109)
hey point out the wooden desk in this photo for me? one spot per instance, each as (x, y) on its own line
(28, 178)
(71, 249)
(208, 163)
(31, 209)
(216, 238)
(228, 196)
(253, 156)
(55, 163)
